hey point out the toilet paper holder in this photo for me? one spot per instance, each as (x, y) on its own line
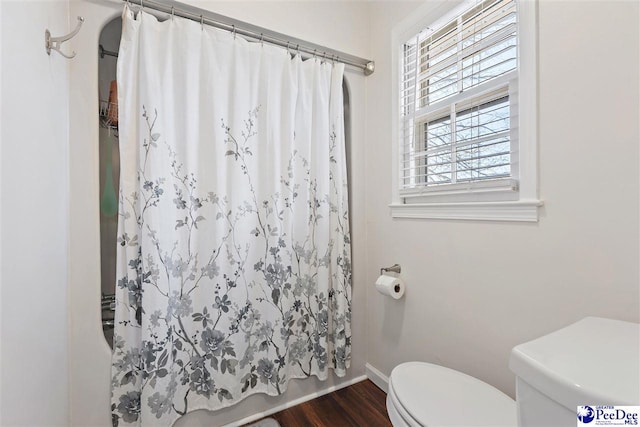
(395, 268)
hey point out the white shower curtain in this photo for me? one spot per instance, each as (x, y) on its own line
(234, 271)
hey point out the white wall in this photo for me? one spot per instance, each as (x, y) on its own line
(33, 176)
(341, 25)
(477, 289)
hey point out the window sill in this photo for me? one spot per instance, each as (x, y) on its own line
(522, 211)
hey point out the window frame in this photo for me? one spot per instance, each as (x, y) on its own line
(496, 199)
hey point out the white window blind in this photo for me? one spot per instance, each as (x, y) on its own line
(458, 103)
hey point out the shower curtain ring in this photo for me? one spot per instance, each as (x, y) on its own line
(172, 12)
(261, 39)
(298, 49)
(202, 22)
(234, 31)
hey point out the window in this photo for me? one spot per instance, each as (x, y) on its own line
(460, 121)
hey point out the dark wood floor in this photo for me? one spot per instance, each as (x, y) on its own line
(359, 405)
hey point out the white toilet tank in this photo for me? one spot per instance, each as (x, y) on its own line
(595, 361)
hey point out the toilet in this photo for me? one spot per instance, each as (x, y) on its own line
(423, 394)
(592, 362)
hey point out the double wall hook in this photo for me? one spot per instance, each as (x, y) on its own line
(54, 43)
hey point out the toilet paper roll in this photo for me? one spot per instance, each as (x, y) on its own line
(390, 286)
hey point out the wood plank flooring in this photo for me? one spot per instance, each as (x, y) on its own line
(359, 405)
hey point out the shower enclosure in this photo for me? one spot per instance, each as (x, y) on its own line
(92, 261)
(109, 169)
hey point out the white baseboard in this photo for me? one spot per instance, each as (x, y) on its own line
(295, 402)
(377, 377)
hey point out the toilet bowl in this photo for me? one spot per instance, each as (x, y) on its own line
(423, 394)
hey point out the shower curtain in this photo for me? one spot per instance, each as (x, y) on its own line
(234, 269)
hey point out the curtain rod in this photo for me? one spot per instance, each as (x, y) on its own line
(256, 33)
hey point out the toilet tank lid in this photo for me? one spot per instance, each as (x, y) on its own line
(595, 361)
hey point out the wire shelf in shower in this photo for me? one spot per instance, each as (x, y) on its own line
(109, 116)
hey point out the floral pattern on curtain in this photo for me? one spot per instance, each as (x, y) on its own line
(234, 271)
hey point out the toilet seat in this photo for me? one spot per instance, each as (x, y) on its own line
(423, 394)
(397, 414)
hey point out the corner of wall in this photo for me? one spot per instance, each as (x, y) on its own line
(377, 377)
